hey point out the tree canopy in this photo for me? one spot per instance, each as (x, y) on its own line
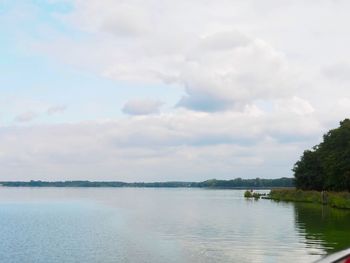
(327, 165)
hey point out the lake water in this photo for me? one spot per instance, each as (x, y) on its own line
(162, 225)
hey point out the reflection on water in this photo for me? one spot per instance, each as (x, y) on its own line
(162, 225)
(323, 227)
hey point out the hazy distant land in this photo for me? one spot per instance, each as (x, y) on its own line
(213, 183)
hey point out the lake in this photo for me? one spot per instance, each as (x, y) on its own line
(163, 225)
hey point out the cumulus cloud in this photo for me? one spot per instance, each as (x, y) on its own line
(219, 66)
(225, 54)
(230, 70)
(142, 107)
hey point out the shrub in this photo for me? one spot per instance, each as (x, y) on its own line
(248, 194)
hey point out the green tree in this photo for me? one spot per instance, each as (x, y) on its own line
(335, 155)
(308, 172)
(327, 165)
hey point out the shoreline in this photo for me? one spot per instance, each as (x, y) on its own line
(340, 200)
(164, 187)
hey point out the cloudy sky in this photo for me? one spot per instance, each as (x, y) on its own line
(157, 90)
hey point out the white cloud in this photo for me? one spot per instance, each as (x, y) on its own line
(142, 107)
(234, 71)
(218, 65)
(126, 20)
(225, 54)
(184, 145)
(294, 105)
(258, 89)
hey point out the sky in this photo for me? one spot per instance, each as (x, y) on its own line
(159, 90)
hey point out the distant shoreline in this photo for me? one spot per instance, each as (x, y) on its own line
(237, 183)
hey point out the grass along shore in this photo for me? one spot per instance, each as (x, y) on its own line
(333, 199)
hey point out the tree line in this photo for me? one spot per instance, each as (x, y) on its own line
(213, 183)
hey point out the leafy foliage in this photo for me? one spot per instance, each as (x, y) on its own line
(248, 194)
(327, 165)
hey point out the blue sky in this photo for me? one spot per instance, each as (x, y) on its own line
(38, 81)
(157, 90)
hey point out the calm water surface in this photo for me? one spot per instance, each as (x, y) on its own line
(162, 225)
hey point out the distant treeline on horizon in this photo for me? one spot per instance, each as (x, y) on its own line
(213, 183)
